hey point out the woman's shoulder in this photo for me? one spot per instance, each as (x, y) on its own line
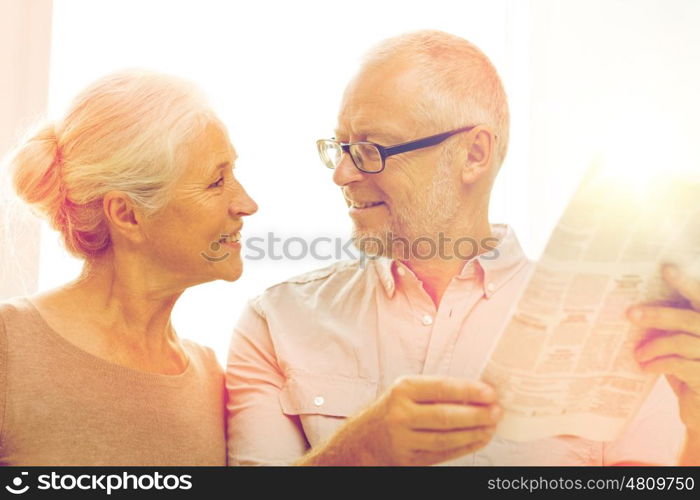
(23, 331)
(16, 313)
(19, 303)
(202, 356)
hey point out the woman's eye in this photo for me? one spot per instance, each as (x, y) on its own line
(218, 183)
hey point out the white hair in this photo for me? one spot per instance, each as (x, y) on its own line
(126, 132)
(462, 85)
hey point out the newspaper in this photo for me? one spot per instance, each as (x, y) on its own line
(564, 363)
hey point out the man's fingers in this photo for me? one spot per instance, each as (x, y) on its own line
(430, 389)
(437, 457)
(666, 318)
(683, 369)
(450, 440)
(686, 286)
(452, 416)
(675, 344)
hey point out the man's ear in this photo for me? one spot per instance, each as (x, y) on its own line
(480, 146)
(123, 216)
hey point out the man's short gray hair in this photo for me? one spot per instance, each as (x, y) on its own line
(462, 85)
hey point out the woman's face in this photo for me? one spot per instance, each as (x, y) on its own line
(195, 237)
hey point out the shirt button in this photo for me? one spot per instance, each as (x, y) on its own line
(427, 320)
(319, 400)
(491, 287)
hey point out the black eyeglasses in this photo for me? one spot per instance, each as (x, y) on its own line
(369, 157)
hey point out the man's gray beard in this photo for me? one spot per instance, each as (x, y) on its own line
(372, 243)
(434, 212)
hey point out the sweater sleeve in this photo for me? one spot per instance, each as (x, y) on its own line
(3, 378)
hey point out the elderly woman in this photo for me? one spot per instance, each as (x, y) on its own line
(138, 179)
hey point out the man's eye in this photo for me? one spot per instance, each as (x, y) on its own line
(218, 183)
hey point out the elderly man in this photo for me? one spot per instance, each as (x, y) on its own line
(377, 362)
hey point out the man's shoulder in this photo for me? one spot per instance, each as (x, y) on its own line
(330, 282)
(334, 271)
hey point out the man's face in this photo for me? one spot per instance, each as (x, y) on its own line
(417, 194)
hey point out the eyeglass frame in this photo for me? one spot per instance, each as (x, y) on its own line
(404, 147)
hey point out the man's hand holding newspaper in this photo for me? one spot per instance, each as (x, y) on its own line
(673, 348)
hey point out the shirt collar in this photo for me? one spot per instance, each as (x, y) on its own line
(491, 270)
(500, 264)
(385, 274)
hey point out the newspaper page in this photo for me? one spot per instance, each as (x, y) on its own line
(564, 363)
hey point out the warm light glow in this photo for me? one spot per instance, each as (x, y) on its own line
(642, 149)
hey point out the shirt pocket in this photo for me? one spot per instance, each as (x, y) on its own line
(322, 402)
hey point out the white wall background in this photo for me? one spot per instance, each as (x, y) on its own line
(614, 78)
(582, 78)
(25, 42)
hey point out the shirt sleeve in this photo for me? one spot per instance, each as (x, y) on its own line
(258, 432)
(655, 436)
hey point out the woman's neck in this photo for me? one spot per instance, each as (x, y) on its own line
(120, 313)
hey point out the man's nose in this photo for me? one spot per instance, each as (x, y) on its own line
(346, 171)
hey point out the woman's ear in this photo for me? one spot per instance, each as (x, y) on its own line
(480, 146)
(123, 216)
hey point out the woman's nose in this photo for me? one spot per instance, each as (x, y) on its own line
(242, 204)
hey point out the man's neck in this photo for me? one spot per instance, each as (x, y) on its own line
(436, 273)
